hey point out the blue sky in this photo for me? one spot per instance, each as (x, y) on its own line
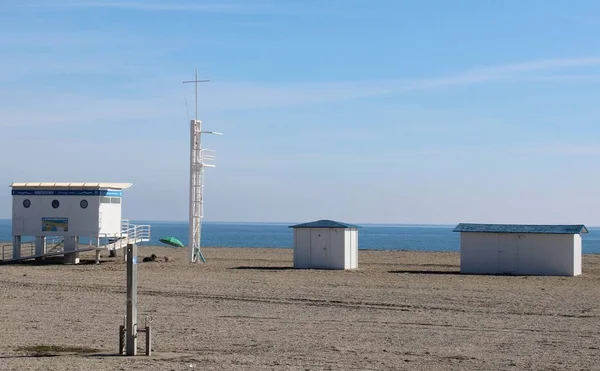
(363, 111)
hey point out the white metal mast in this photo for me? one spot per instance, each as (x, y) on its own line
(198, 156)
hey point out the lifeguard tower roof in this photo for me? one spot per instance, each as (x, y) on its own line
(71, 185)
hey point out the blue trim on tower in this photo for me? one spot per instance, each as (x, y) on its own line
(70, 192)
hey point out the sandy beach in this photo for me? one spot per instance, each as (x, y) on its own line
(246, 309)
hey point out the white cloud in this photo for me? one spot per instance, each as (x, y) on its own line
(565, 78)
(250, 95)
(79, 110)
(245, 95)
(540, 65)
(558, 149)
(509, 72)
(173, 6)
(162, 97)
(31, 67)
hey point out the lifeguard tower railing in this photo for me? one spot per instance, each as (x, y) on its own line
(130, 233)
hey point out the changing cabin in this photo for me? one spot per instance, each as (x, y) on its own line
(545, 250)
(325, 244)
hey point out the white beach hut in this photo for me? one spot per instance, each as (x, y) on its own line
(545, 250)
(325, 244)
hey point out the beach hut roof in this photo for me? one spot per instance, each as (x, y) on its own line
(70, 185)
(521, 228)
(324, 223)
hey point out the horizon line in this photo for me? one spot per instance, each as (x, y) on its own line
(292, 223)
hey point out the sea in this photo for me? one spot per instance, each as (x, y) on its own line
(279, 235)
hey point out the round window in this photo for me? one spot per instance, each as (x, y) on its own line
(83, 204)
(55, 204)
(26, 203)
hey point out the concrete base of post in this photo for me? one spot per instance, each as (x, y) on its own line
(123, 335)
(122, 339)
(71, 244)
(97, 256)
(148, 341)
(16, 254)
(40, 247)
(71, 258)
(148, 331)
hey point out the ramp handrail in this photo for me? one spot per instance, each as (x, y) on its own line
(130, 233)
(4, 256)
(57, 242)
(137, 232)
(26, 247)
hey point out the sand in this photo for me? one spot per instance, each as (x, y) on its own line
(245, 309)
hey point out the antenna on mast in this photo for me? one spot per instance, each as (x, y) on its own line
(196, 81)
(198, 156)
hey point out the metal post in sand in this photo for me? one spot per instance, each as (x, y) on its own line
(131, 325)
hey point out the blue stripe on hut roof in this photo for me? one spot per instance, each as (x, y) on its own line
(324, 224)
(521, 228)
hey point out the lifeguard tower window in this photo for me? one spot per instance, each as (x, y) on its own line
(26, 203)
(83, 204)
(55, 204)
(110, 200)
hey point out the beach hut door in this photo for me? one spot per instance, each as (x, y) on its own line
(318, 248)
(508, 248)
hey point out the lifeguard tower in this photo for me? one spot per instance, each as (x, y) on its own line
(57, 215)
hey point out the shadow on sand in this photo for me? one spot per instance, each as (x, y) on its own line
(264, 268)
(54, 260)
(412, 271)
(108, 355)
(48, 355)
(31, 356)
